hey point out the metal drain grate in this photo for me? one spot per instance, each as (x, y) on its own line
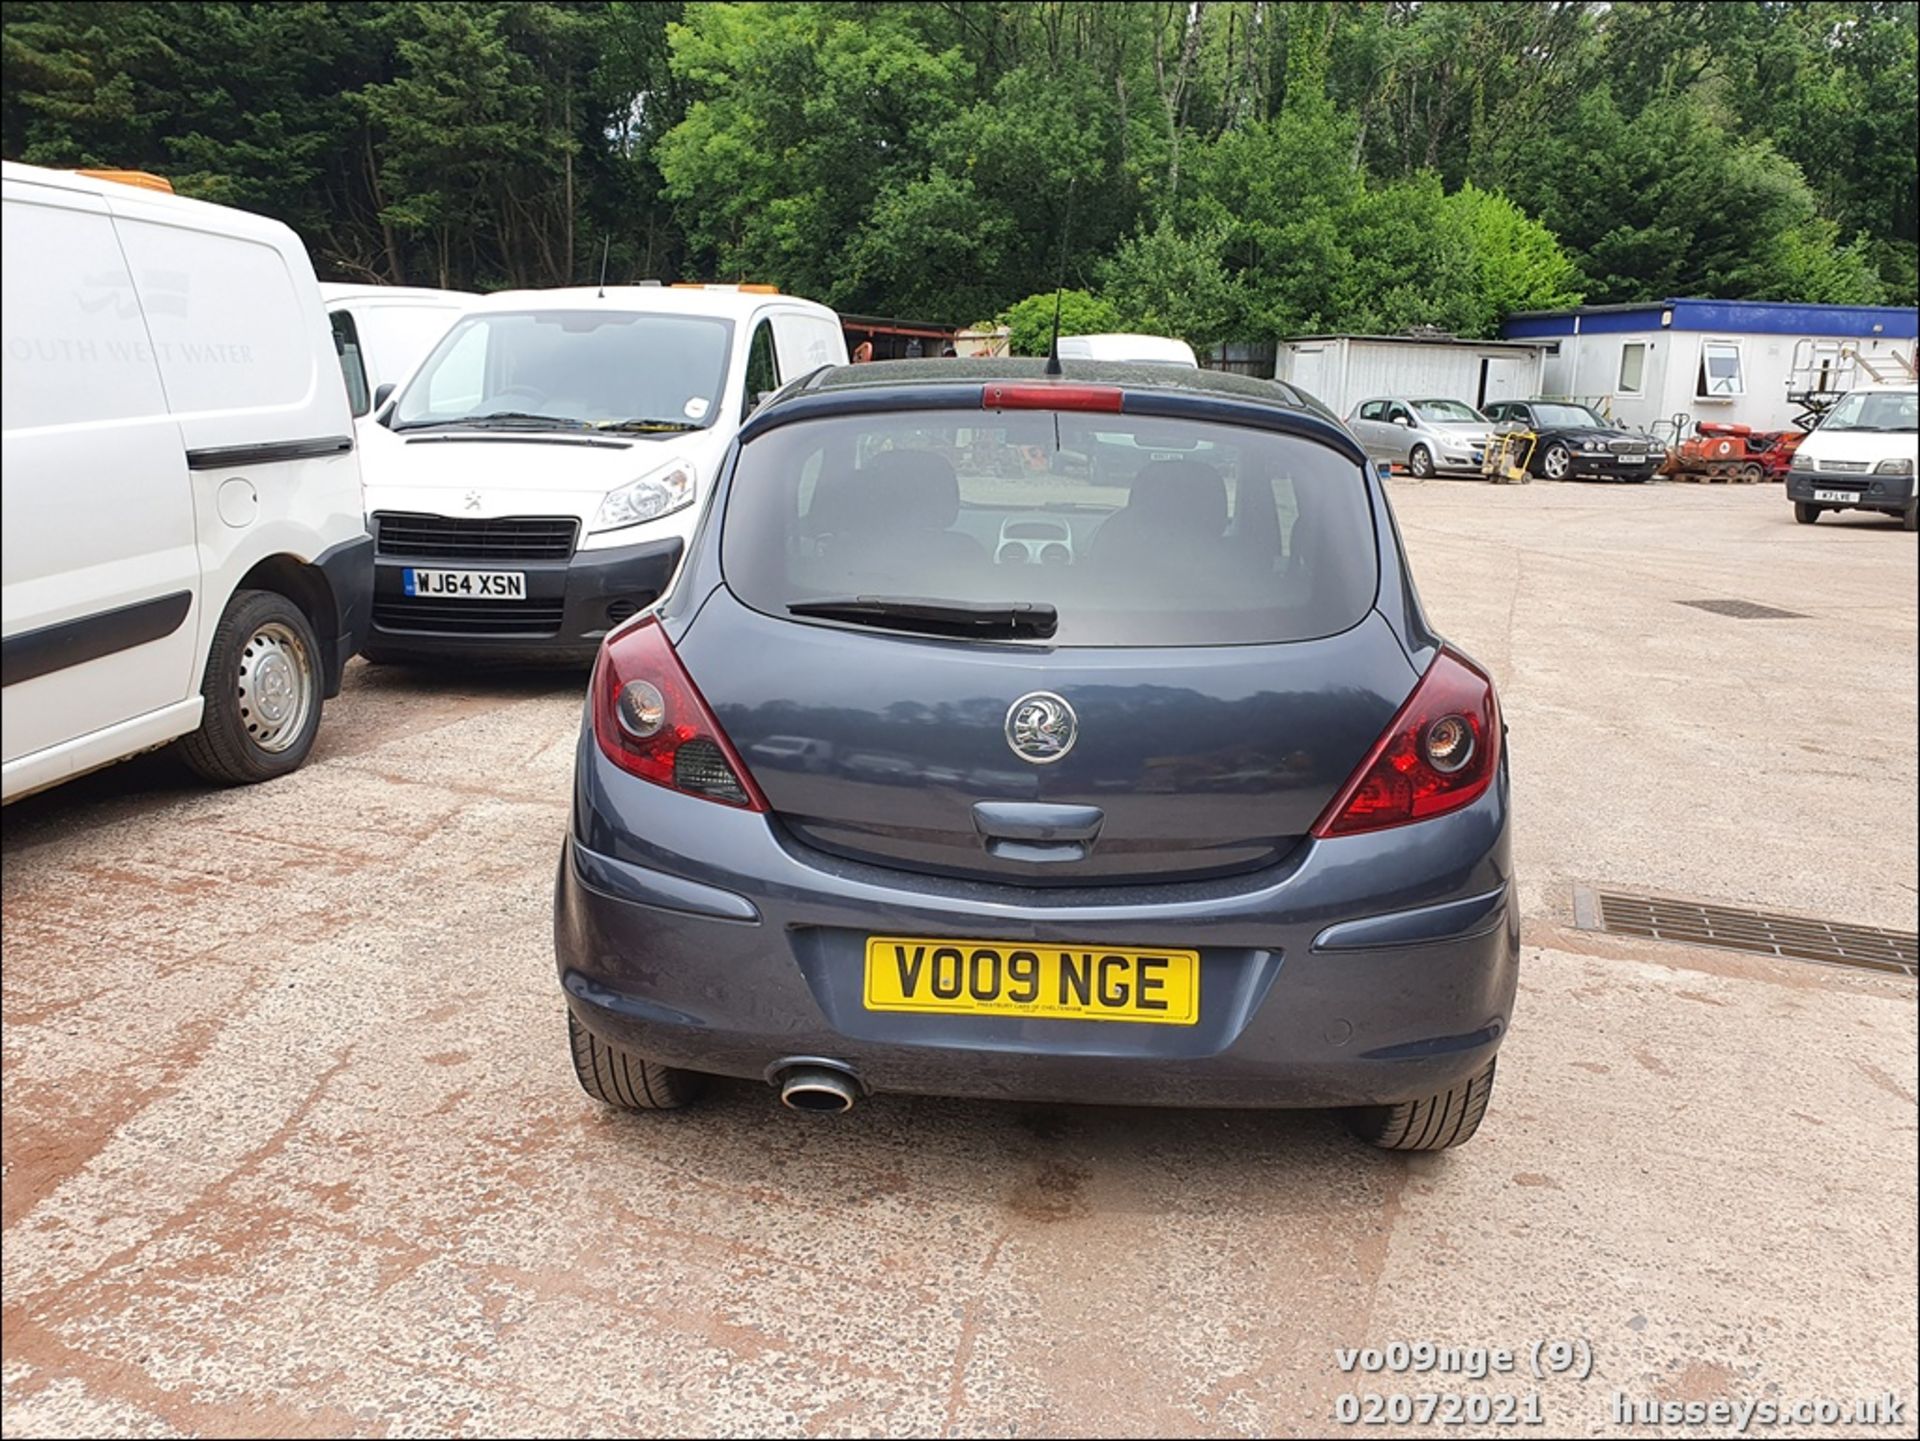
(1700, 923)
(1744, 610)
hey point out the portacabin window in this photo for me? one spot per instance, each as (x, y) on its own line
(1721, 376)
(1633, 367)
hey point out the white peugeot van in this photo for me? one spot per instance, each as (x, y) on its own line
(534, 482)
(383, 331)
(1861, 456)
(184, 543)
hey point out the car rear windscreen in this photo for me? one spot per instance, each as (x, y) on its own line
(1137, 530)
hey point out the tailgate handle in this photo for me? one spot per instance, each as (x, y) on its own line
(1029, 831)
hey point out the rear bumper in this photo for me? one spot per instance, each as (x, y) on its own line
(570, 604)
(1363, 970)
(1891, 494)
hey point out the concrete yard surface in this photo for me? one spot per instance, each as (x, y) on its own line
(292, 1146)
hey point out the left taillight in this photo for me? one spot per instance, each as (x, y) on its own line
(650, 720)
(1440, 753)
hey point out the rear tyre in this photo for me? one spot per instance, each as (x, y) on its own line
(1807, 514)
(1420, 463)
(615, 1076)
(262, 693)
(1752, 474)
(1433, 1123)
(1911, 520)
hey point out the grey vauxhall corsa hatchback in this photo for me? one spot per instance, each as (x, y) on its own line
(1057, 738)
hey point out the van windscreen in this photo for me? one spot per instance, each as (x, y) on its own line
(572, 369)
(1134, 530)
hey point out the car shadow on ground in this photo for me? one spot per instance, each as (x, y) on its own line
(1040, 1162)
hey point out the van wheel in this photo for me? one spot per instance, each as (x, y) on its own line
(615, 1076)
(1433, 1123)
(262, 693)
(1911, 520)
(1804, 513)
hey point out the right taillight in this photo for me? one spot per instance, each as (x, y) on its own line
(650, 720)
(1440, 753)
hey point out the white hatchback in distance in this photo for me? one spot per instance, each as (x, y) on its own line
(535, 481)
(1133, 348)
(185, 549)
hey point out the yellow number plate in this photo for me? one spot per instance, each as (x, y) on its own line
(1019, 978)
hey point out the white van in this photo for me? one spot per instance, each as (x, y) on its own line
(383, 331)
(1137, 349)
(534, 482)
(184, 546)
(1861, 456)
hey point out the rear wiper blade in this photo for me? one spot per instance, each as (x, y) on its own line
(500, 420)
(937, 617)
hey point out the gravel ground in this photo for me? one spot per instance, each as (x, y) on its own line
(291, 1146)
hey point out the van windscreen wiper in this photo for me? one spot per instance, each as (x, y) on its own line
(979, 618)
(643, 425)
(498, 420)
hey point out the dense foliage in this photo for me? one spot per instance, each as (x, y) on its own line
(1221, 170)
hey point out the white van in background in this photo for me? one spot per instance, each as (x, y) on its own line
(1138, 349)
(184, 551)
(383, 331)
(1863, 455)
(534, 482)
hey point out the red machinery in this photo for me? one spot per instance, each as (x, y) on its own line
(1732, 452)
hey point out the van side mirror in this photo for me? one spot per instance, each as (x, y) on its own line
(382, 394)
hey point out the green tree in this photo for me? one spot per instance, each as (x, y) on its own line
(803, 118)
(1237, 168)
(1029, 322)
(1163, 282)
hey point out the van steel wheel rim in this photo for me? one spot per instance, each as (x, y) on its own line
(276, 687)
(1557, 464)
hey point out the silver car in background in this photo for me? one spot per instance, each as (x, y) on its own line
(1428, 437)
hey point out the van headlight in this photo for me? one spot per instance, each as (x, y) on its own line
(648, 498)
(1900, 466)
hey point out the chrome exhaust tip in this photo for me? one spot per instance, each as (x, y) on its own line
(817, 1089)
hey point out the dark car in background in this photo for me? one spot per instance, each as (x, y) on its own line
(1575, 443)
(1189, 806)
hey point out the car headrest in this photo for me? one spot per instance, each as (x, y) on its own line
(1181, 494)
(896, 489)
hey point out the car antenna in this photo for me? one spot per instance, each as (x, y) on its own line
(606, 244)
(1053, 345)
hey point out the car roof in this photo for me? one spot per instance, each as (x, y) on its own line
(725, 303)
(1129, 375)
